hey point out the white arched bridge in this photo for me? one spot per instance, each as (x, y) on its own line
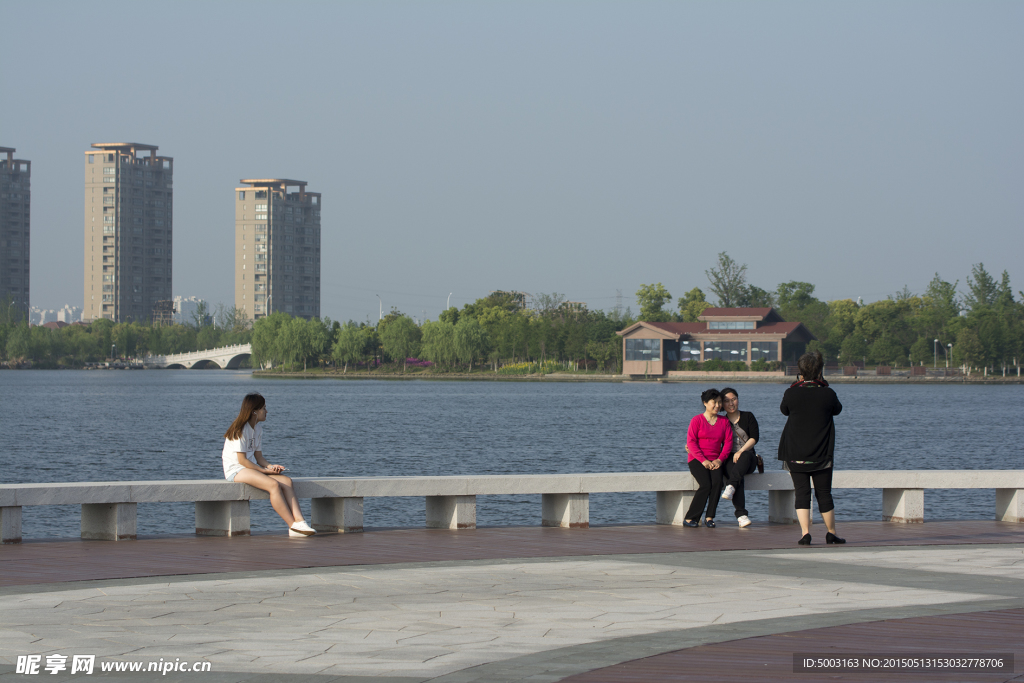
(226, 357)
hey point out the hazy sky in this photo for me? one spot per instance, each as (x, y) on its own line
(572, 147)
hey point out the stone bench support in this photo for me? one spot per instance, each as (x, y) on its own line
(10, 524)
(905, 506)
(222, 507)
(1010, 505)
(566, 510)
(782, 506)
(451, 512)
(340, 515)
(671, 506)
(222, 518)
(109, 521)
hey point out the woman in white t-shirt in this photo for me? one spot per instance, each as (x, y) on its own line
(244, 462)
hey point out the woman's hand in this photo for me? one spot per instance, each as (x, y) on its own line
(736, 457)
(707, 464)
(713, 464)
(275, 469)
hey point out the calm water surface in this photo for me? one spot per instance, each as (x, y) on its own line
(142, 425)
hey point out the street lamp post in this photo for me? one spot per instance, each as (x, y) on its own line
(449, 304)
(935, 347)
(113, 348)
(949, 353)
(380, 314)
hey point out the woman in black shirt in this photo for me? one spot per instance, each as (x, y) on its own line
(743, 460)
(808, 444)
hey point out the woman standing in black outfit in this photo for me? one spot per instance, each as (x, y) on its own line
(743, 460)
(808, 444)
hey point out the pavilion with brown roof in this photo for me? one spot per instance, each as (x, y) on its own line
(746, 334)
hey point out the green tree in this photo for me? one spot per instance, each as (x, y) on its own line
(401, 339)
(265, 332)
(982, 288)
(124, 335)
(728, 281)
(201, 315)
(469, 340)
(450, 315)
(319, 334)
(854, 348)
(651, 299)
(19, 344)
(794, 295)
(887, 350)
(350, 345)
(692, 305)
(968, 349)
(438, 343)
(923, 350)
(755, 297)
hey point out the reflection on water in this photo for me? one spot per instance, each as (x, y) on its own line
(145, 425)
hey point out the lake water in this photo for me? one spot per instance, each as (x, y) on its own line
(61, 426)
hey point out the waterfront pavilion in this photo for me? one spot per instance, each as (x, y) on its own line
(746, 334)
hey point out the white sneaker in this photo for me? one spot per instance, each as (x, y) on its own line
(744, 521)
(728, 492)
(301, 529)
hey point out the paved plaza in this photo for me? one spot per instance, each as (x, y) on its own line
(504, 619)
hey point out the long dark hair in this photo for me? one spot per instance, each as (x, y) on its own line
(250, 404)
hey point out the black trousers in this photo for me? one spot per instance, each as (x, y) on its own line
(734, 473)
(709, 490)
(822, 489)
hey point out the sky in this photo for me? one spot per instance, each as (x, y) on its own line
(583, 148)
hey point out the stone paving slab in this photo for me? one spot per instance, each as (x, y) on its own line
(493, 620)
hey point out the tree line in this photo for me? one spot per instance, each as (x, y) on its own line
(76, 345)
(979, 325)
(493, 331)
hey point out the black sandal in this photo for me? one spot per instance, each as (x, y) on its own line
(688, 523)
(709, 523)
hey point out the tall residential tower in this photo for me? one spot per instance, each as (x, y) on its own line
(277, 248)
(128, 236)
(15, 191)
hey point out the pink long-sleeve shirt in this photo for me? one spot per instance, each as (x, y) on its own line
(706, 442)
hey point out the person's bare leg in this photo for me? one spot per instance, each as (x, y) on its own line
(290, 497)
(804, 515)
(265, 483)
(830, 521)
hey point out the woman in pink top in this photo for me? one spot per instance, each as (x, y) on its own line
(708, 443)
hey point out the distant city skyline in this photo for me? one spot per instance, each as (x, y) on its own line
(563, 147)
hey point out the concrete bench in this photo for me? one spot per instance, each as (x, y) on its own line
(222, 508)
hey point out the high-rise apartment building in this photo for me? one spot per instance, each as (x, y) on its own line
(277, 248)
(15, 193)
(128, 236)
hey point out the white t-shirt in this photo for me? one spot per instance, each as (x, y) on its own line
(251, 441)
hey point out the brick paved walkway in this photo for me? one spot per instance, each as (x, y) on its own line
(770, 658)
(58, 561)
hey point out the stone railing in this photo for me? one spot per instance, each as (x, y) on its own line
(222, 507)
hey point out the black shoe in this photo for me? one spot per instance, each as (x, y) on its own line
(832, 538)
(692, 525)
(709, 523)
(806, 540)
